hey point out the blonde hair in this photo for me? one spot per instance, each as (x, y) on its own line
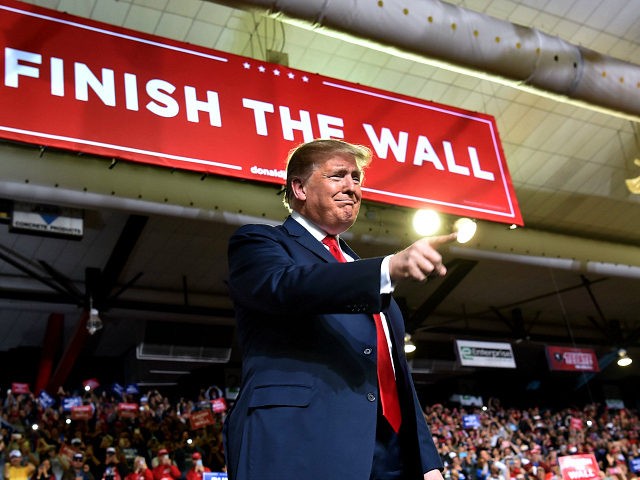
(305, 158)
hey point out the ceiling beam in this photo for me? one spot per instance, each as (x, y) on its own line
(56, 298)
(116, 263)
(17, 261)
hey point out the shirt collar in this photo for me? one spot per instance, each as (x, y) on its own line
(309, 226)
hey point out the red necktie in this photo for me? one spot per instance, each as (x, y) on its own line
(386, 377)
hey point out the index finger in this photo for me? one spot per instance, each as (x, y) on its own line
(442, 239)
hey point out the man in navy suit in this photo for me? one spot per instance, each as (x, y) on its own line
(310, 405)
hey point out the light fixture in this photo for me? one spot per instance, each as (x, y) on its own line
(633, 184)
(95, 322)
(624, 360)
(426, 222)
(465, 228)
(409, 346)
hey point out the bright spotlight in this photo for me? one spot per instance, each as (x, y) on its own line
(466, 229)
(409, 346)
(426, 222)
(624, 360)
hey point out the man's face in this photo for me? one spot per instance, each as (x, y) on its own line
(331, 195)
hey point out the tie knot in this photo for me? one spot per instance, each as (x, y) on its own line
(332, 242)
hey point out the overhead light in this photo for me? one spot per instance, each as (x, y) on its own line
(95, 322)
(426, 222)
(409, 346)
(465, 228)
(624, 360)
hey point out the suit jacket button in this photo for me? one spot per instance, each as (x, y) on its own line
(371, 397)
(367, 351)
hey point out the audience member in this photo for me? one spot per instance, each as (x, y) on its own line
(198, 468)
(166, 468)
(16, 469)
(78, 470)
(140, 470)
(44, 471)
(113, 467)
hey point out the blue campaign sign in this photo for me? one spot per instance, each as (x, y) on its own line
(214, 476)
(69, 402)
(635, 465)
(471, 421)
(46, 400)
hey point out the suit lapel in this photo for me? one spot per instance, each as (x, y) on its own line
(347, 249)
(304, 238)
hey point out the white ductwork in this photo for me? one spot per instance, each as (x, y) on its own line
(464, 40)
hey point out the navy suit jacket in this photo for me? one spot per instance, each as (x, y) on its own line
(308, 404)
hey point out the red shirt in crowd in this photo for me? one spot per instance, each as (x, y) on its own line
(142, 475)
(166, 472)
(194, 474)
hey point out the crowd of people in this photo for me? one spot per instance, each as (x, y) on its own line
(159, 442)
(497, 443)
(156, 441)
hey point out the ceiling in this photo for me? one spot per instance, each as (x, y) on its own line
(570, 277)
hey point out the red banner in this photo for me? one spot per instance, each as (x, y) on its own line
(218, 405)
(154, 100)
(575, 423)
(128, 410)
(83, 412)
(579, 467)
(572, 359)
(20, 388)
(201, 419)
